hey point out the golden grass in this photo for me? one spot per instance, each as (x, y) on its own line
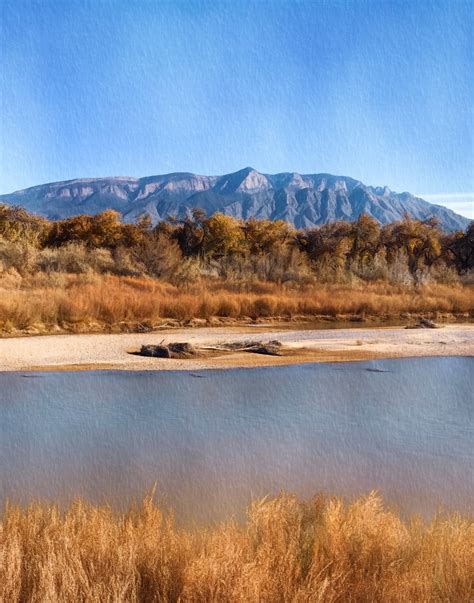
(287, 550)
(80, 303)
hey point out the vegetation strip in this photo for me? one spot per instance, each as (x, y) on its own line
(94, 273)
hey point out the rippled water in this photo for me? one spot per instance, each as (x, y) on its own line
(212, 440)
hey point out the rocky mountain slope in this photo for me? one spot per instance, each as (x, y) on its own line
(304, 200)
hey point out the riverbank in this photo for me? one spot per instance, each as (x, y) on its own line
(117, 351)
(57, 303)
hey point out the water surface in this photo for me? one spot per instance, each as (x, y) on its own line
(212, 440)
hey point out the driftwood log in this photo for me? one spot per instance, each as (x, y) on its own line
(170, 350)
(187, 350)
(423, 323)
(272, 348)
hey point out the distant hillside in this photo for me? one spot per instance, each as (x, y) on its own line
(303, 200)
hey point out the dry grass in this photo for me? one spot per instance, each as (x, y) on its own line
(287, 550)
(79, 303)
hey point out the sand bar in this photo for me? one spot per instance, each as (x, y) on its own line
(113, 351)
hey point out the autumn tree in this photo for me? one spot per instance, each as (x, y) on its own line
(16, 224)
(102, 230)
(266, 236)
(190, 233)
(328, 247)
(419, 240)
(106, 230)
(365, 238)
(223, 236)
(159, 254)
(461, 247)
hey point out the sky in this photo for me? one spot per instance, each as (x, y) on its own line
(382, 91)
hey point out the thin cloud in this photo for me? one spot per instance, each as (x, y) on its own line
(461, 203)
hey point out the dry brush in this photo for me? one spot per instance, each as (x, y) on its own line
(101, 303)
(287, 550)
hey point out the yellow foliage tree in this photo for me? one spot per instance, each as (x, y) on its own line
(223, 235)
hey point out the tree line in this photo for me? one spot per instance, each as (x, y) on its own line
(223, 246)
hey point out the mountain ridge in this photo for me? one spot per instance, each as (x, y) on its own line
(304, 200)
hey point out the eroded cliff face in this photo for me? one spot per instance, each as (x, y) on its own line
(304, 200)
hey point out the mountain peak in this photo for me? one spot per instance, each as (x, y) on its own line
(243, 181)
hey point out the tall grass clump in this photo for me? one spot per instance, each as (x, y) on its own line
(286, 550)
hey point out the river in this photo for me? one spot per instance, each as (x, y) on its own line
(213, 440)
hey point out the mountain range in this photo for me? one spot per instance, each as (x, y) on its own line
(303, 200)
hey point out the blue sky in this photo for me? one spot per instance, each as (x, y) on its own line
(380, 91)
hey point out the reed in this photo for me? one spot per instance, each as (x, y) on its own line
(286, 550)
(81, 303)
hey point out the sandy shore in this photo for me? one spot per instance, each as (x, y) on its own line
(82, 352)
